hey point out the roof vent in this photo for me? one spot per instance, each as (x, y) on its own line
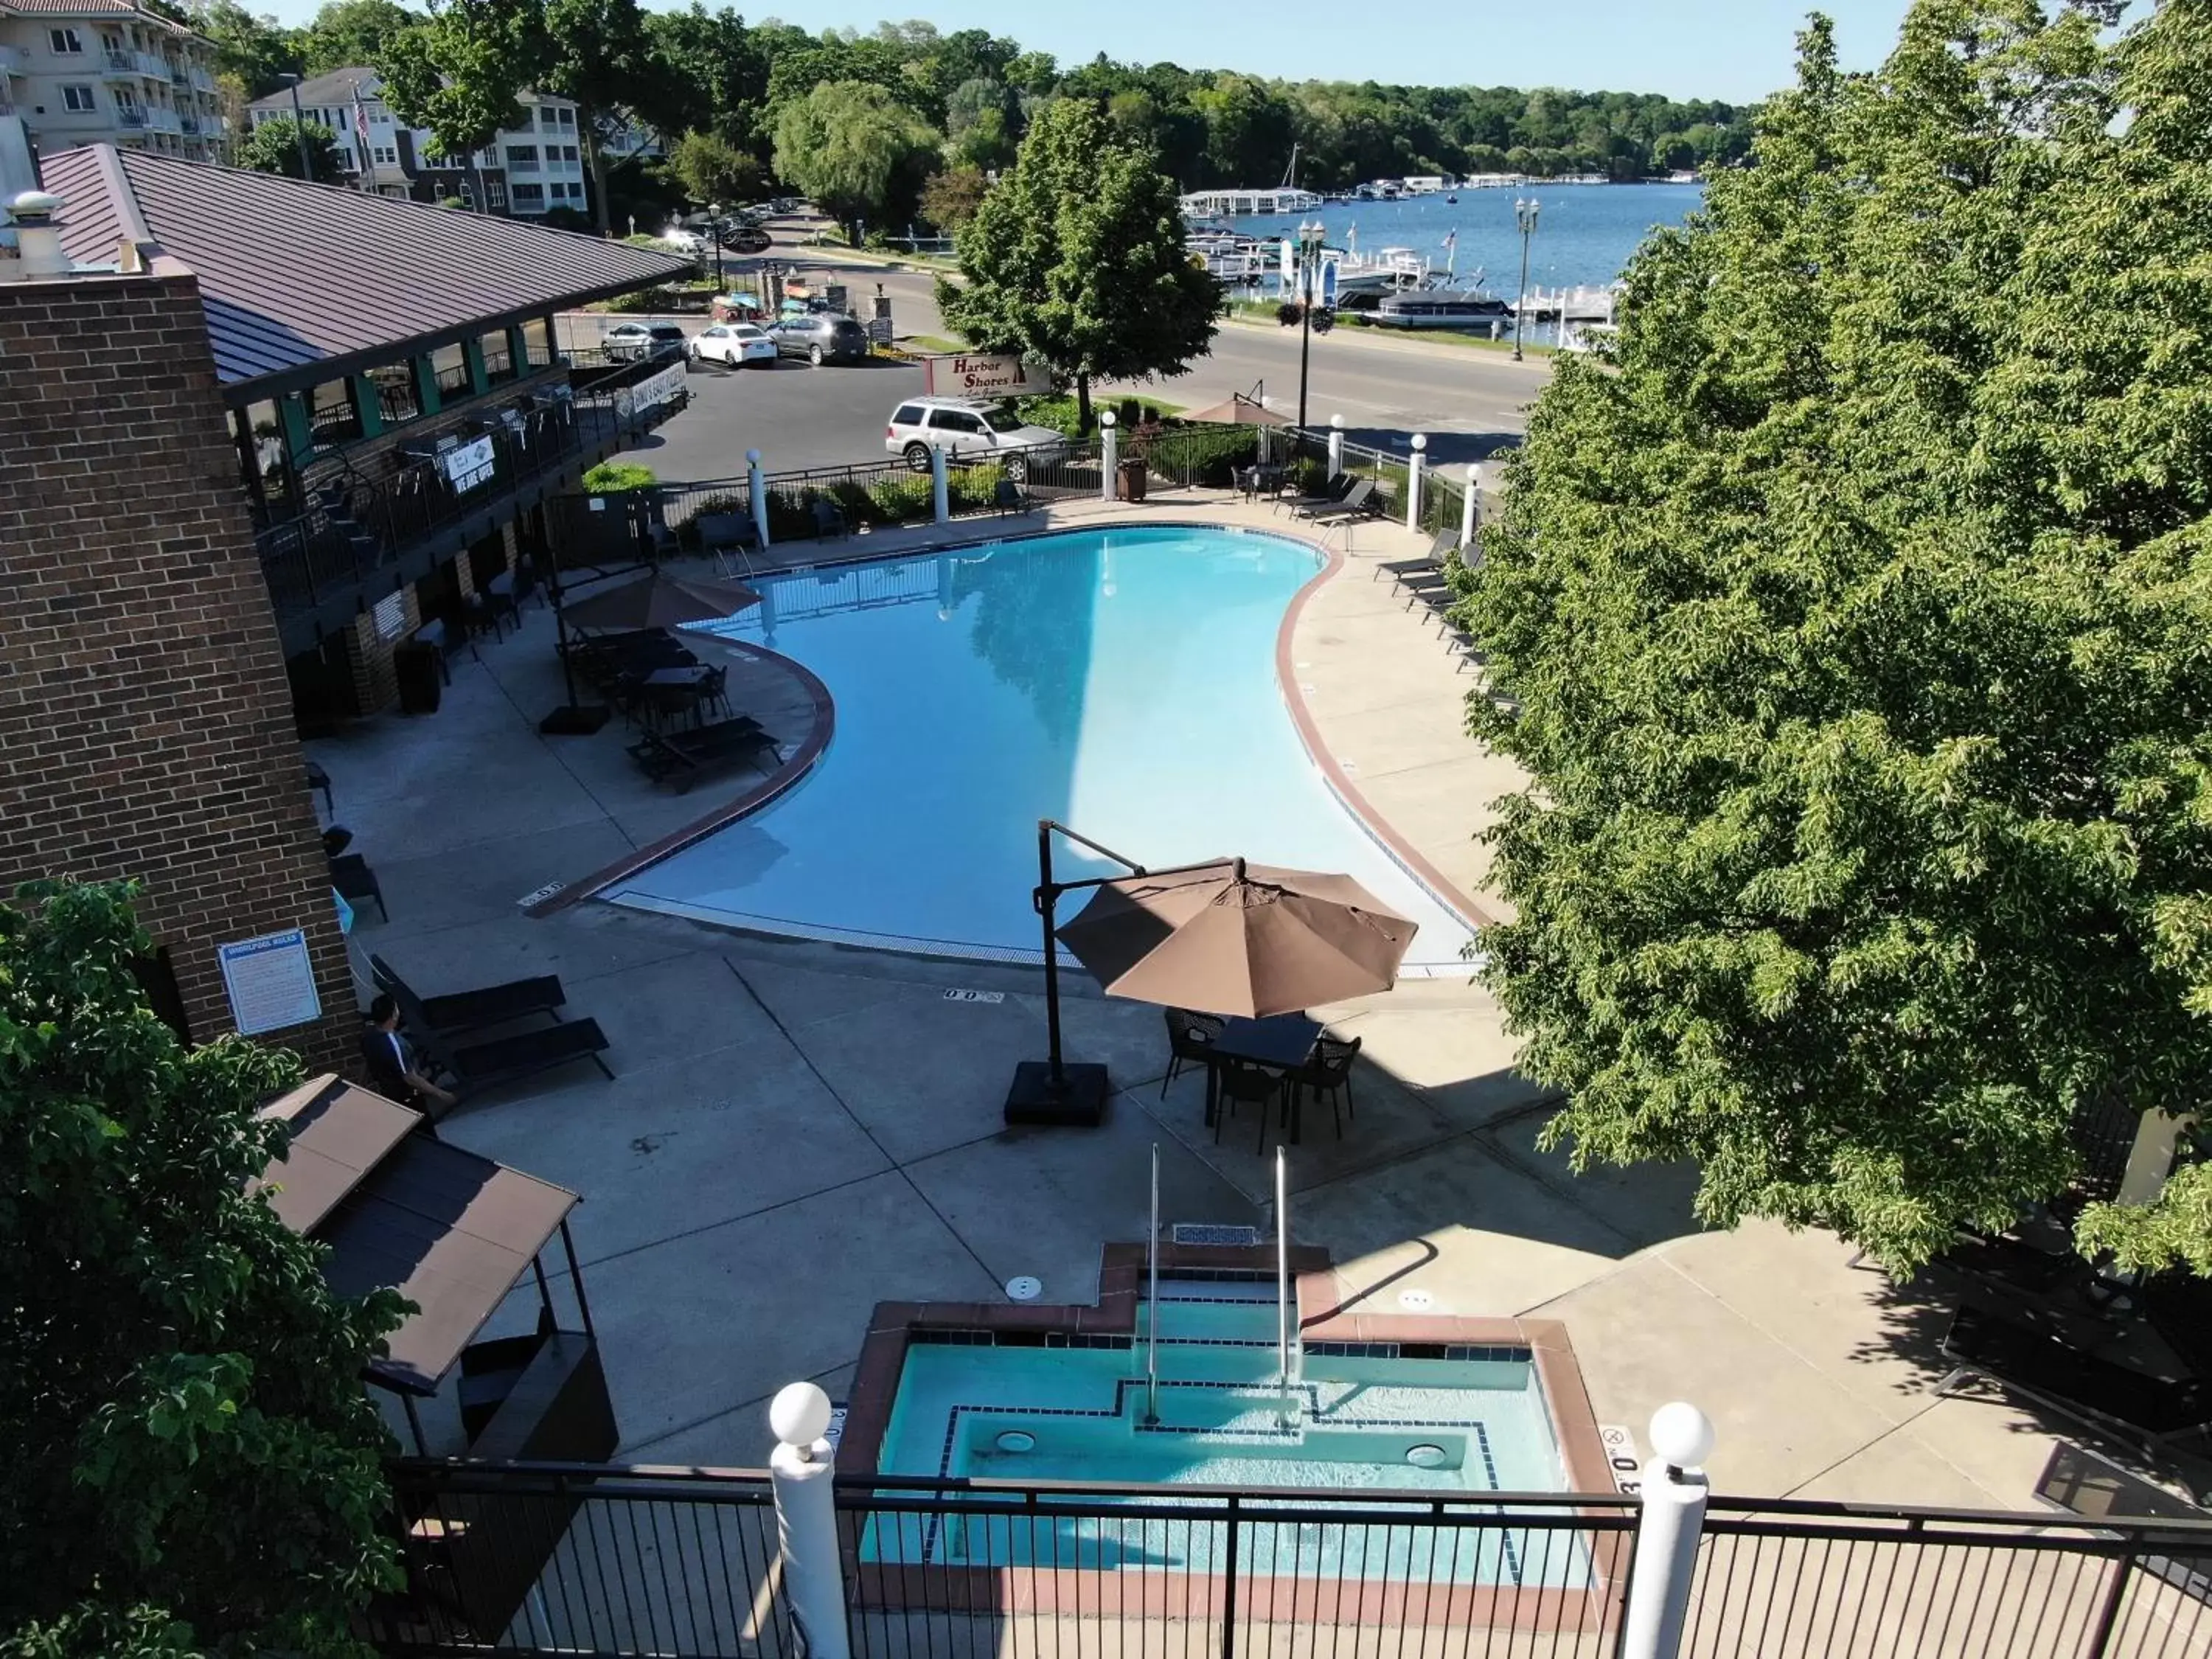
(38, 241)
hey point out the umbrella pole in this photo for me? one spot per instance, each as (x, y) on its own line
(1052, 1091)
(572, 719)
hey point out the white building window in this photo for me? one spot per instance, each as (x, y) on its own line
(568, 117)
(387, 155)
(529, 195)
(78, 98)
(67, 43)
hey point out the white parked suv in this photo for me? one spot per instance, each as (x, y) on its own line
(969, 430)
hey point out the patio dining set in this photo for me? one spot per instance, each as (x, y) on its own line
(1272, 1063)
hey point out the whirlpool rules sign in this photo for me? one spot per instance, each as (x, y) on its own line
(961, 375)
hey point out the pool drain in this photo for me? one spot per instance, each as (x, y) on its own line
(1016, 1440)
(1023, 1287)
(1426, 1457)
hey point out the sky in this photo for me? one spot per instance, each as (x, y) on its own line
(1734, 49)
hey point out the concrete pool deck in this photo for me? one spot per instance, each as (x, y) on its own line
(798, 1132)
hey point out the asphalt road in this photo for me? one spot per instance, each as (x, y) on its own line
(1468, 402)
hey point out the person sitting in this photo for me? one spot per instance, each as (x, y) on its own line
(394, 1068)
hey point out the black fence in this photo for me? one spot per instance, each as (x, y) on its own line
(575, 1559)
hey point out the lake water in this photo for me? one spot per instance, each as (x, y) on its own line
(1584, 233)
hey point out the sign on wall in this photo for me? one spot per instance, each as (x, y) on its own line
(470, 465)
(660, 388)
(270, 983)
(963, 374)
(391, 615)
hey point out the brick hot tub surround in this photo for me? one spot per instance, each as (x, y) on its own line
(1333, 1308)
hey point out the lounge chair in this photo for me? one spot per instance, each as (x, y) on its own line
(459, 1011)
(1429, 567)
(480, 1067)
(682, 757)
(356, 881)
(1359, 502)
(828, 517)
(2040, 1366)
(1331, 494)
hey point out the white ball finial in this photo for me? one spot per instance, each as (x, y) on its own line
(1106, 417)
(752, 457)
(1336, 422)
(1682, 1435)
(799, 1414)
(1474, 475)
(1421, 441)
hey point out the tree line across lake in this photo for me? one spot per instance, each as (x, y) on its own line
(741, 107)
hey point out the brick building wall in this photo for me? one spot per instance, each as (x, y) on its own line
(146, 725)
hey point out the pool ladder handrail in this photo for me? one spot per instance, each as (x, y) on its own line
(1152, 1312)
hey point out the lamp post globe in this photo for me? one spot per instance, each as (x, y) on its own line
(1524, 216)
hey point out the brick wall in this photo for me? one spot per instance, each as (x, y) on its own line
(145, 722)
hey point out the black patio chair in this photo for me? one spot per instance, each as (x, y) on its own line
(1360, 501)
(1236, 1083)
(456, 1013)
(357, 882)
(1190, 1042)
(319, 779)
(1429, 568)
(2041, 1366)
(828, 517)
(1007, 496)
(1328, 1071)
(477, 1067)
(1328, 496)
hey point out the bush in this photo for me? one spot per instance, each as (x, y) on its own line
(1055, 410)
(687, 534)
(973, 488)
(901, 499)
(612, 477)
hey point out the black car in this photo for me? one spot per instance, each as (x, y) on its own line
(820, 338)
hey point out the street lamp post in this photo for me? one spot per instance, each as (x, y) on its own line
(714, 234)
(1309, 244)
(1525, 214)
(299, 128)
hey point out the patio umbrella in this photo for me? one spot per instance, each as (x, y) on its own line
(661, 600)
(1232, 938)
(1239, 410)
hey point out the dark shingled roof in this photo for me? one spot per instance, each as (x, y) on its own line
(303, 282)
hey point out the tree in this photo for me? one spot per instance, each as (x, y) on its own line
(855, 151)
(255, 49)
(1852, 619)
(348, 33)
(950, 199)
(712, 169)
(274, 146)
(193, 1462)
(1075, 258)
(715, 76)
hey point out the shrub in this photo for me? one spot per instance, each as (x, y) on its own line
(688, 533)
(612, 477)
(901, 499)
(973, 488)
(1055, 412)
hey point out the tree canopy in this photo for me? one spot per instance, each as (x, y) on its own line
(852, 147)
(1075, 258)
(274, 146)
(1851, 622)
(193, 1463)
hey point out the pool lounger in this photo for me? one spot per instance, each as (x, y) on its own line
(2039, 1366)
(681, 756)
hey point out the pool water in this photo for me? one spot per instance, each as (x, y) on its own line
(1122, 682)
(1352, 1422)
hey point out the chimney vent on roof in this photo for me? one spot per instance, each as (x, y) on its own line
(37, 242)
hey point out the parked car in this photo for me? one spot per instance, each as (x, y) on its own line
(628, 342)
(734, 343)
(821, 338)
(969, 430)
(684, 242)
(745, 239)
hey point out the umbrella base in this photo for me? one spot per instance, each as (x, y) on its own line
(1080, 1099)
(574, 719)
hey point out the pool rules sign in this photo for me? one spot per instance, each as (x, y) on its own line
(967, 375)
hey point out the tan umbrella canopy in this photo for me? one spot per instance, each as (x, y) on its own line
(661, 600)
(1239, 410)
(1232, 938)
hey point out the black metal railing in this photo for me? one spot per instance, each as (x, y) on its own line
(454, 382)
(581, 1559)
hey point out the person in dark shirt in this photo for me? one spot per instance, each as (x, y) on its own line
(393, 1066)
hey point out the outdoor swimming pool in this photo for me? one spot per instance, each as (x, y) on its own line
(1122, 682)
(1457, 1424)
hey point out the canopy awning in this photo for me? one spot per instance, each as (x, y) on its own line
(451, 1231)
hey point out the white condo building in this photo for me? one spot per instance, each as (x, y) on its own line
(108, 71)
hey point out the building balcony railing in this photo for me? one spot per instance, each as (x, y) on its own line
(159, 119)
(190, 125)
(11, 61)
(320, 565)
(203, 80)
(129, 115)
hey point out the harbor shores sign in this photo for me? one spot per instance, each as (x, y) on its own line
(969, 374)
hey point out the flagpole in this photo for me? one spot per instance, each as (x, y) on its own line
(368, 175)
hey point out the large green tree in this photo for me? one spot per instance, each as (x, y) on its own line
(1075, 258)
(274, 146)
(1850, 624)
(249, 48)
(858, 152)
(350, 33)
(712, 169)
(193, 1464)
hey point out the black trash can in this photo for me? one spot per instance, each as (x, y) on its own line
(421, 686)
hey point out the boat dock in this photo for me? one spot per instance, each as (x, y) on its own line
(1570, 305)
(1237, 203)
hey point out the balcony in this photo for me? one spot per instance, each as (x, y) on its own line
(117, 66)
(203, 80)
(160, 118)
(190, 125)
(11, 61)
(130, 116)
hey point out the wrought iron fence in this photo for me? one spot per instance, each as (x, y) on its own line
(581, 1560)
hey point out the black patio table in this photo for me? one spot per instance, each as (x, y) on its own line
(1279, 1042)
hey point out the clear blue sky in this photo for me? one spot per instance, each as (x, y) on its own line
(1737, 49)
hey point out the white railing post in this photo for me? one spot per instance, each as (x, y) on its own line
(1414, 482)
(1671, 1520)
(940, 493)
(1467, 508)
(759, 496)
(802, 1469)
(1108, 455)
(1335, 445)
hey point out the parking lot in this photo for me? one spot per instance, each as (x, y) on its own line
(795, 415)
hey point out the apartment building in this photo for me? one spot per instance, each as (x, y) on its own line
(108, 71)
(535, 165)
